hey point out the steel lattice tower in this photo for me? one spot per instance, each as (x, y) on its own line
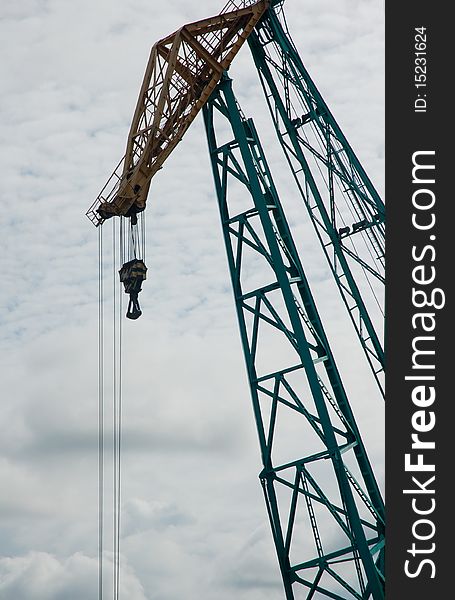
(336, 512)
(343, 205)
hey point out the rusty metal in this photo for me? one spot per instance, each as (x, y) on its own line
(182, 72)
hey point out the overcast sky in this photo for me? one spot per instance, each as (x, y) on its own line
(194, 520)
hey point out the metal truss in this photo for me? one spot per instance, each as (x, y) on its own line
(344, 207)
(323, 502)
(183, 70)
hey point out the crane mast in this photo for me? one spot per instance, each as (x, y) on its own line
(323, 502)
(305, 397)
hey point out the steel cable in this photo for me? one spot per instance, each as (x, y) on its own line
(119, 441)
(114, 412)
(118, 254)
(100, 413)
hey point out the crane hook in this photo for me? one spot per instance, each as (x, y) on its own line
(132, 274)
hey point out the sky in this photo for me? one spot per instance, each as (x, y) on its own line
(194, 523)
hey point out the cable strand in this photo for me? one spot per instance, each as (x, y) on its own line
(100, 413)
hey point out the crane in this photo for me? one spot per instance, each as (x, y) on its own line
(324, 504)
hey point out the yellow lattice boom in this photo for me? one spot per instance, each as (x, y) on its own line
(182, 72)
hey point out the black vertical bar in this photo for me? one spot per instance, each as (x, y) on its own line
(419, 250)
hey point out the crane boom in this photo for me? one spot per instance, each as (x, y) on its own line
(182, 72)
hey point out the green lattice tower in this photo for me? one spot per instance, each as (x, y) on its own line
(323, 502)
(344, 206)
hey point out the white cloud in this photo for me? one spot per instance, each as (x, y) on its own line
(41, 576)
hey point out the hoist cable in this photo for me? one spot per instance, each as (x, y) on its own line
(133, 241)
(117, 408)
(122, 247)
(143, 234)
(118, 253)
(100, 413)
(119, 441)
(114, 410)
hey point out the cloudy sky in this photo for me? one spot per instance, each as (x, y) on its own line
(193, 518)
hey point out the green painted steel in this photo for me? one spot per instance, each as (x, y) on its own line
(344, 207)
(323, 502)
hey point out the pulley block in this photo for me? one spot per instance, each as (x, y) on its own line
(132, 274)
